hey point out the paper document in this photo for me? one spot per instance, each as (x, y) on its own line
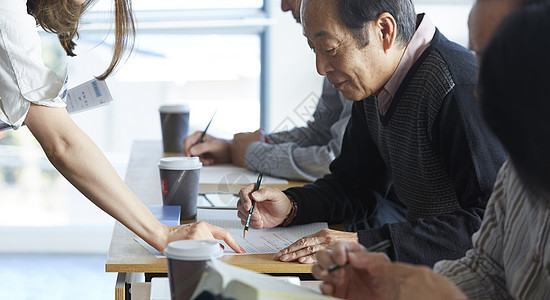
(149, 248)
(257, 240)
(217, 201)
(229, 174)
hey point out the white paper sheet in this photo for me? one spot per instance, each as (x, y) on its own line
(150, 248)
(257, 240)
(229, 174)
(217, 201)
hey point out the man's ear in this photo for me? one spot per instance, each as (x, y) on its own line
(387, 30)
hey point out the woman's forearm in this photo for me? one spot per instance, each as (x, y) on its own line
(79, 160)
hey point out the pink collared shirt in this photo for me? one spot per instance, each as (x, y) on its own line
(419, 42)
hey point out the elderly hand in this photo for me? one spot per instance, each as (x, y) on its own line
(202, 231)
(241, 141)
(272, 207)
(369, 275)
(211, 151)
(305, 248)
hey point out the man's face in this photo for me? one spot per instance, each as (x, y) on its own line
(293, 6)
(483, 21)
(357, 72)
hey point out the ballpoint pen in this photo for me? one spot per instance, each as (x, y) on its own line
(256, 187)
(375, 248)
(204, 132)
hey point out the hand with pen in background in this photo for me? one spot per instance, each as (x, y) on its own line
(371, 275)
(215, 150)
(209, 149)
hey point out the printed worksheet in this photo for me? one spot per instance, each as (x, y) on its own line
(257, 241)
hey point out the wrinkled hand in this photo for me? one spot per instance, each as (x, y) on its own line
(211, 151)
(241, 141)
(305, 248)
(202, 231)
(272, 207)
(370, 275)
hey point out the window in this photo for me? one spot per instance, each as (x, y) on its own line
(207, 54)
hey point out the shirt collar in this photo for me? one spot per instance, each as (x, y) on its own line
(419, 42)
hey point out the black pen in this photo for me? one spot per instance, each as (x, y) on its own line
(204, 132)
(375, 248)
(256, 187)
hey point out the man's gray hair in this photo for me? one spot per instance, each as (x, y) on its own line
(356, 13)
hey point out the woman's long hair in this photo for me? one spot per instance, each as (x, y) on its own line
(62, 18)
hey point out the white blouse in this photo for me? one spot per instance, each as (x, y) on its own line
(23, 76)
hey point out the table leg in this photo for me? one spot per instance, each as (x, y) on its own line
(120, 287)
(123, 284)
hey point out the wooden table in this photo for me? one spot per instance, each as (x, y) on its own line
(130, 260)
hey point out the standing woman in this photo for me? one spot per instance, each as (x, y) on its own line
(29, 93)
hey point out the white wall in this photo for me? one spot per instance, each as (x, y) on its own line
(293, 74)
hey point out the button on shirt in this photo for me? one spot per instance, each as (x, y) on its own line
(511, 254)
(23, 76)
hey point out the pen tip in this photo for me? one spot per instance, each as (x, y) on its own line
(244, 233)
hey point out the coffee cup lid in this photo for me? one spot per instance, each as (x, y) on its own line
(174, 108)
(180, 163)
(194, 250)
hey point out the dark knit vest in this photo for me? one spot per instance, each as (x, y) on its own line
(404, 137)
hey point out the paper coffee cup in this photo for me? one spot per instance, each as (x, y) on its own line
(179, 181)
(186, 261)
(174, 120)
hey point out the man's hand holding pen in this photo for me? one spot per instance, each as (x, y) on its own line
(272, 207)
(211, 151)
(371, 275)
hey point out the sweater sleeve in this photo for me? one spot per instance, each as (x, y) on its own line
(288, 160)
(358, 179)
(304, 153)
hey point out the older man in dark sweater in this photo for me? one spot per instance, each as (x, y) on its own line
(415, 137)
